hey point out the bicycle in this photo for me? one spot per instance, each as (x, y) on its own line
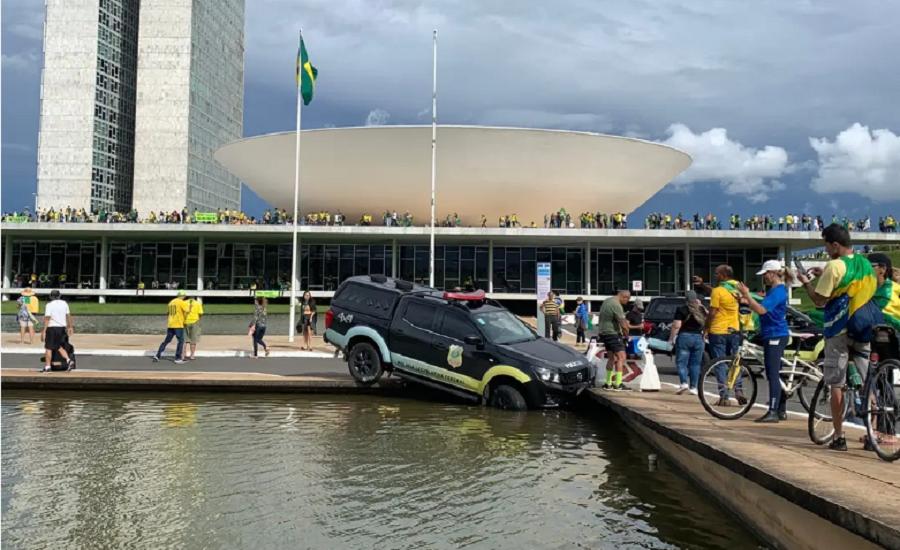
(874, 401)
(738, 374)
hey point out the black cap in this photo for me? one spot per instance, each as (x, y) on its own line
(882, 259)
(54, 294)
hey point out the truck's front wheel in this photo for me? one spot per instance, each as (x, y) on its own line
(508, 397)
(364, 363)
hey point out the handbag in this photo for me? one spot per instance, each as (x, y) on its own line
(251, 330)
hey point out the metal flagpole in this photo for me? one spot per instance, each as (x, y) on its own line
(433, 152)
(294, 253)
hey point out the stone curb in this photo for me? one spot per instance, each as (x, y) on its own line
(146, 353)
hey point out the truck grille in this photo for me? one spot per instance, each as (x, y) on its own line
(574, 377)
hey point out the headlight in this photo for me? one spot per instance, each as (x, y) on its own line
(547, 375)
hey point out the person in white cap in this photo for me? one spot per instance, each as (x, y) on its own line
(773, 329)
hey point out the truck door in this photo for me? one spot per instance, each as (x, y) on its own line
(450, 350)
(411, 330)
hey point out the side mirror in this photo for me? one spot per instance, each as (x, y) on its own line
(474, 341)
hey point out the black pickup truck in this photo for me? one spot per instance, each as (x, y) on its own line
(461, 343)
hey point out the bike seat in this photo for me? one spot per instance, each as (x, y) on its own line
(802, 335)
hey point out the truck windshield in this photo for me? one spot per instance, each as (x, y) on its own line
(502, 327)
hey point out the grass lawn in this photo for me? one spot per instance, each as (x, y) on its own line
(153, 308)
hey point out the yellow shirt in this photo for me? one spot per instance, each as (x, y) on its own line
(34, 305)
(726, 311)
(178, 310)
(832, 274)
(195, 310)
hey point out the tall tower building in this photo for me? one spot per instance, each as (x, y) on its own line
(136, 95)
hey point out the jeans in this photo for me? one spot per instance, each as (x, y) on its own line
(688, 356)
(579, 332)
(773, 351)
(258, 334)
(724, 345)
(173, 333)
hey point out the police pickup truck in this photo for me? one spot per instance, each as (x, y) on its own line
(461, 343)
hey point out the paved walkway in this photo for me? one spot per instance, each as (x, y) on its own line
(132, 345)
(855, 481)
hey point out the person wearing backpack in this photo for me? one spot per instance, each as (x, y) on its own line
(686, 336)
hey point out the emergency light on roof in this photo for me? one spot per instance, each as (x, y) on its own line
(475, 296)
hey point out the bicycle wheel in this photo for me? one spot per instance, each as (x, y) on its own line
(819, 424)
(807, 385)
(727, 377)
(882, 423)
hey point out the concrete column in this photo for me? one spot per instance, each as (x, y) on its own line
(687, 267)
(104, 266)
(587, 270)
(395, 250)
(7, 265)
(490, 266)
(201, 262)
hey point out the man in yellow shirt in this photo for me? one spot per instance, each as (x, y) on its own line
(192, 325)
(723, 327)
(177, 313)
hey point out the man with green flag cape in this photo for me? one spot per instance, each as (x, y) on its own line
(887, 296)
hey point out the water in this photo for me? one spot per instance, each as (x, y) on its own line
(214, 471)
(156, 324)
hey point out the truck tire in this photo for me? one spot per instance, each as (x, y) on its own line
(364, 363)
(508, 398)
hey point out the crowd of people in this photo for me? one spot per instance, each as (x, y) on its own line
(391, 218)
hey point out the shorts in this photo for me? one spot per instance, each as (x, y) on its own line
(192, 333)
(613, 343)
(55, 338)
(25, 324)
(839, 350)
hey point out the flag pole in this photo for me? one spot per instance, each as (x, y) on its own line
(433, 152)
(294, 279)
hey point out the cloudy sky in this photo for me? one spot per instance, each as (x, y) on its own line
(784, 105)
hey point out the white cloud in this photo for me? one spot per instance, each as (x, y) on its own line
(859, 161)
(26, 62)
(377, 117)
(535, 118)
(741, 170)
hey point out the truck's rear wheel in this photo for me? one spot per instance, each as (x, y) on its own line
(364, 363)
(508, 398)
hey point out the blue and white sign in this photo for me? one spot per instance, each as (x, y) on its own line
(544, 273)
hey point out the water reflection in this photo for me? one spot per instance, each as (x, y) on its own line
(214, 471)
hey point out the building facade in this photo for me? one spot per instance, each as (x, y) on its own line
(135, 98)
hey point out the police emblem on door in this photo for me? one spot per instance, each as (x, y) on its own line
(455, 356)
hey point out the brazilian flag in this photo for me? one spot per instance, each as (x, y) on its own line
(305, 73)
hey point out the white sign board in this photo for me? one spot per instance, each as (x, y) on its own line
(543, 280)
(637, 286)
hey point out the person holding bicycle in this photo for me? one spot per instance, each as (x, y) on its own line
(723, 326)
(772, 311)
(845, 289)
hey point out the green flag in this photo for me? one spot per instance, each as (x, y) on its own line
(305, 73)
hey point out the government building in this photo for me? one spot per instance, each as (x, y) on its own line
(481, 171)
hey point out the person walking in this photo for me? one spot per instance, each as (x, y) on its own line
(550, 309)
(25, 320)
(307, 318)
(192, 326)
(258, 325)
(773, 330)
(845, 288)
(58, 326)
(687, 338)
(177, 312)
(612, 331)
(582, 320)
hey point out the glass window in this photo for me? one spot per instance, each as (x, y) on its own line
(420, 314)
(457, 326)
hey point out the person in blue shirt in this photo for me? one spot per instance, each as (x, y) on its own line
(773, 329)
(582, 315)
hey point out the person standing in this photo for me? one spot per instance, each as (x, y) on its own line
(635, 317)
(25, 320)
(258, 325)
(550, 309)
(308, 309)
(612, 328)
(887, 297)
(773, 330)
(582, 319)
(687, 337)
(58, 326)
(723, 328)
(845, 289)
(177, 312)
(192, 326)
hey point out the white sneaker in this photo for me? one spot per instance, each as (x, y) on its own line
(179, 361)
(681, 389)
(693, 391)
